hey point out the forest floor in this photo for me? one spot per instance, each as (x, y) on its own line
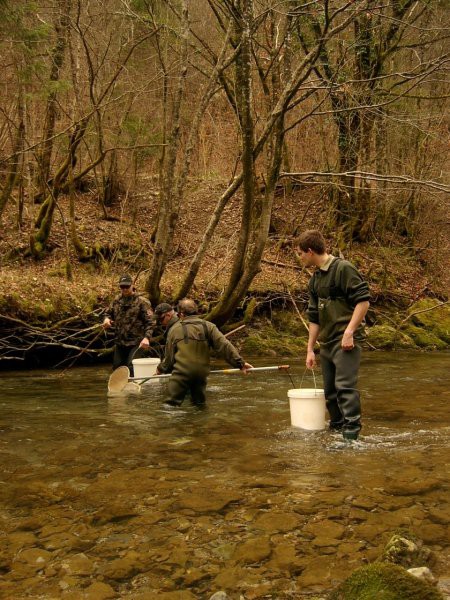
(39, 291)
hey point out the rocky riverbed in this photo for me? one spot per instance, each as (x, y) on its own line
(123, 500)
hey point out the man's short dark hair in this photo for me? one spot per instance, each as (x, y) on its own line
(313, 240)
(187, 307)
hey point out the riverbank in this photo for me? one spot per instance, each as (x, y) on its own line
(46, 315)
(47, 320)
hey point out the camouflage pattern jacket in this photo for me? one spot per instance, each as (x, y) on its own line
(132, 316)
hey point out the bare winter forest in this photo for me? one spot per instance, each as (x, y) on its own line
(343, 103)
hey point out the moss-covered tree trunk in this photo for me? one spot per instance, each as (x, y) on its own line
(43, 224)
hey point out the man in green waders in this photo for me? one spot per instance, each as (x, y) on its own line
(338, 302)
(187, 355)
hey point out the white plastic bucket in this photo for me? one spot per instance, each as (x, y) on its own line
(145, 367)
(307, 408)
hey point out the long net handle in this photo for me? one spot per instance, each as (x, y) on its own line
(314, 377)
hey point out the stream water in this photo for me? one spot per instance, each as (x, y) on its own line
(104, 498)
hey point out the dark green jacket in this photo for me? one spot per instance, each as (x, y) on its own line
(333, 295)
(132, 319)
(169, 326)
(189, 346)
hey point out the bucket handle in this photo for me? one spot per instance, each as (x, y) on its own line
(314, 377)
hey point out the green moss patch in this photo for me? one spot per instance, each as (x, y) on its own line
(384, 581)
(436, 317)
(424, 338)
(285, 335)
(385, 337)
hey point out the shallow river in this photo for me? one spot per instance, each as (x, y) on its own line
(119, 498)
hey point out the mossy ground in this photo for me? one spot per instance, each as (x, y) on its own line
(283, 335)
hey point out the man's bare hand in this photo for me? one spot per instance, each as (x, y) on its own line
(145, 343)
(107, 323)
(310, 359)
(347, 341)
(246, 367)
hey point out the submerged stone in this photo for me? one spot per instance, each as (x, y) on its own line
(253, 550)
(99, 591)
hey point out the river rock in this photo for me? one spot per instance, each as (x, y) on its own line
(443, 586)
(114, 513)
(368, 531)
(259, 591)
(32, 494)
(422, 573)
(325, 529)
(358, 515)
(412, 487)
(99, 591)
(20, 539)
(79, 564)
(395, 502)
(208, 501)
(405, 517)
(325, 542)
(220, 596)
(317, 573)
(365, 503)
(230, 578)
(67, 541)
(438, 515)
(123, 568)
(30, 561)
(433, 534)
(139, 481)
(177, 595)
(277, 521)
(252, 551)
(194, 576)
(284, 558)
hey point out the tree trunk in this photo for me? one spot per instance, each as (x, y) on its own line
(257, 210)
(57, 60)
(43, 224)
(16, 158)
(167, 213)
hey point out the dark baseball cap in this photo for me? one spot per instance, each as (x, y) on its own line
(125, 280)
(163, 308)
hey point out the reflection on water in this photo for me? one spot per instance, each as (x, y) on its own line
(120, 492)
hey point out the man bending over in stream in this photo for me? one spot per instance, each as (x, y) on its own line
(188, 351)
(338, 303)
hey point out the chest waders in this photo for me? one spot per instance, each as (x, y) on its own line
(339, 367)
(191, 366)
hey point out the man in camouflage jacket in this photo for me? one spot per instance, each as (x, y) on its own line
(131, 316)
